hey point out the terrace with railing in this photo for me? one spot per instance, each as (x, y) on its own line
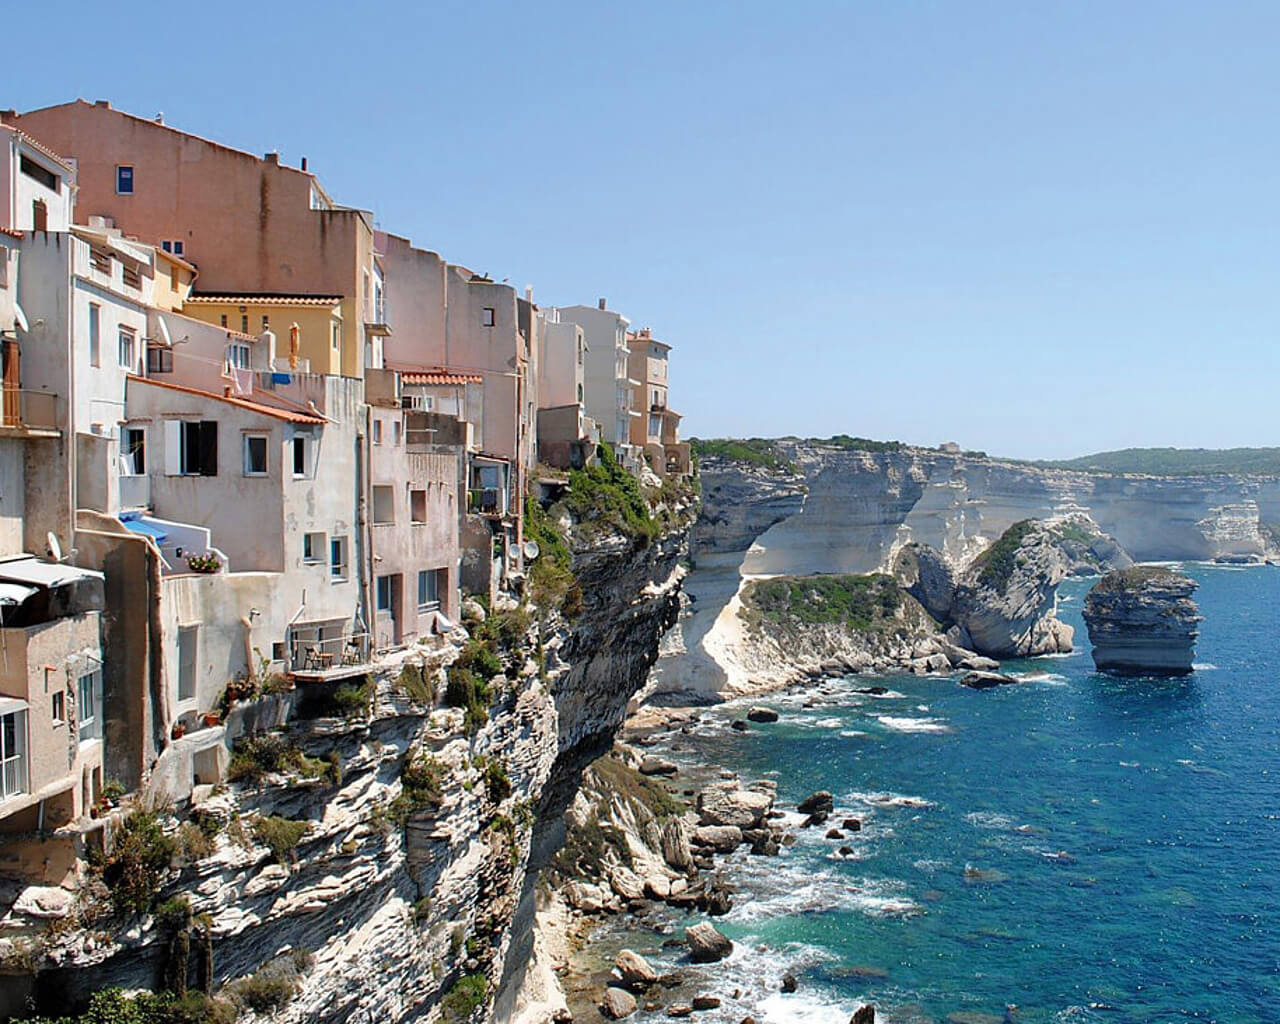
(317, 660)
(29, 413)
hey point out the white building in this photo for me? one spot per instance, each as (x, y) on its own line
(608, 386)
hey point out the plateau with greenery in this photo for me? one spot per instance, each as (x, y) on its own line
(861, 603)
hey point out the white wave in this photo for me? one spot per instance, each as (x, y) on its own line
(989, 819)
(802, 1007)
(930, 867)
(1204, 666)
(922, 707)
(883, 799)
(931, 725)
(1128, 764)
(851, 733)
(887, 695)
(829, 723)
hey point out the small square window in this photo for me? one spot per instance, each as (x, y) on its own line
(299, 456)
(59, 709)
(313, 547)
(429, 588)
(124, 180)
(384, 593)
(255, 455)
(488, 318)
(338, 559)
(178, 247)
(166, 245)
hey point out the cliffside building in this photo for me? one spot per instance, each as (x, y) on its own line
(657, 432)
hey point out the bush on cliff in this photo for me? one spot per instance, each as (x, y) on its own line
(112, 1006)
(551, 579)
(465, 997)
(856, 602)
(280, 835)
(1000, 560)
(140, 854)
(604, 495)
(752, 451)
(468, 691)
(259, 756)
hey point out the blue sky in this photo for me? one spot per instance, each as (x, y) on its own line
(1039, 229)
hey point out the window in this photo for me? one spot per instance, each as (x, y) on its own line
(238, 355)
(336, 330)
(188, 648)
(429, 589)
(175, 246)
(166, 245)
(383, 504)
(255, 454)
(191, 447)
(313, 547)
(39, 215)
(266, 322)
(128, 360)
(38, 173)
(384, 593)
(579, 394)
(299, 455)
(13, 754)
(397, 432)
(124, 180)
(179, 248)
(222, 320)
(95, 337)
(655, 426)
(89, 706)
(130, 274)
(338, 558)
(417, 506)
(244, 323)
(488, 317)
(159, 359)
(58, 709)
(133, 451)
(377, 431)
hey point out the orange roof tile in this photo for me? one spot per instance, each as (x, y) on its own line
(442, 378)
(263, 299)
(288, 415)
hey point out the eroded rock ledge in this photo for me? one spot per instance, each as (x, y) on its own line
(1142, 621)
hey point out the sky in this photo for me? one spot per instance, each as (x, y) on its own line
(1038, 229)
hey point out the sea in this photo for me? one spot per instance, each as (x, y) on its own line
(1073, 848)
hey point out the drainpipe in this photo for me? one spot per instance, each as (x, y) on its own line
(288, 643)
(247, 623)
(363, 541)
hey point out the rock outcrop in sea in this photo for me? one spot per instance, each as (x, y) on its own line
(1142, 621)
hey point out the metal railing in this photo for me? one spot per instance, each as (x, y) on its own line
(320, 655)
(24, 408)
(13, 776)
(486, 500)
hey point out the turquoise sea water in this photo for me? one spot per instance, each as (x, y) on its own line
(1077, 847)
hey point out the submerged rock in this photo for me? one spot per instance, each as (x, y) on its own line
(820, 802)
(1142, 621)
(762, 715)
(987, 680)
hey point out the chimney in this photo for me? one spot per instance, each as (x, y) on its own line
(104, 104)
(528, 294)
(159, 118)
(604, 303)
(272, 158)
(304, 163)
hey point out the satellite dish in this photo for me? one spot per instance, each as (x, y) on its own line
(531, 549)
(20, 317)
(55, 549)
(164, 331)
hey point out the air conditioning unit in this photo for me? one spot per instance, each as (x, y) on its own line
(418, 403)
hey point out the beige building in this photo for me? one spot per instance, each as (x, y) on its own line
(251, 224)
(567, 436)
(657, 430)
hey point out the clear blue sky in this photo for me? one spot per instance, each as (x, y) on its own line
(1037, 228)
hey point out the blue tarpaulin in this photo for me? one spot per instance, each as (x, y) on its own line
(149, 528)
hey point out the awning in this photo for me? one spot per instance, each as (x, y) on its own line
(44, 574)
(14, 593)
(145, 527)
(8, 705)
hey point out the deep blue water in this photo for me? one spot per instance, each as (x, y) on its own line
(1079, 847)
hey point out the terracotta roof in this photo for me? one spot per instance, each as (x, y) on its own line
(11, 232)
(263, 299)
(442, 378)
(288, 415)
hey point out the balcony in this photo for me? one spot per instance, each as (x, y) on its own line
(487, 501)
(135, 492)
(378, 322)
(318, 660)
(13, 776)
(29, 413)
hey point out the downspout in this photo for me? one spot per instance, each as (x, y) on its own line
(72, 476)
(288, 627)
(247, 623)
(363, 542)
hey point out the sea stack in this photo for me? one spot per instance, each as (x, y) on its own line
(1142, 622)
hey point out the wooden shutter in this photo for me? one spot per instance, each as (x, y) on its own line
(173, 447)
(208, 447)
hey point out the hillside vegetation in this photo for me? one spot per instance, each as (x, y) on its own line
(1176, 461)
(751, 451)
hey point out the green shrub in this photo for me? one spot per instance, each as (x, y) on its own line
(193, 842)
(467, 690)
(281, 835)
(417, 684)
(856, 602)
(752, 451)
(259, 756)
(273, 985)
(477, 657)
(860, 444)
(352, 700)
(421, 788)
(550, 576)
(112, 1006)
(466, 995)
(999, 561)
(604, 495)
(140, 854)
(496, 782)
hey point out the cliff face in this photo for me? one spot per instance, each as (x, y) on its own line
(1142, 621)
(408, 899)
(850, 511)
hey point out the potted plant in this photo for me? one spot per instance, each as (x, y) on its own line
(179, 730)
(206, 563)
(212, 718)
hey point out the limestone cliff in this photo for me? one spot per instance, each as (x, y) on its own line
(1142, 621)
(843, 508)
(389, 845)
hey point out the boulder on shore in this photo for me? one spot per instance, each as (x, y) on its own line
(820, 802)
(1142, 621)
(634, 970)
(617, 1003)
(707, 944)
(762, 715)
(987, 680)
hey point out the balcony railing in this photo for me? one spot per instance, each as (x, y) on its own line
(489, 501)
(13, 776)
(135, 492)
(30, 410)
(330, 657)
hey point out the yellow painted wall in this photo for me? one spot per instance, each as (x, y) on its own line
(315, 325)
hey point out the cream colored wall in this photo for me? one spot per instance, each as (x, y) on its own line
(315, 325)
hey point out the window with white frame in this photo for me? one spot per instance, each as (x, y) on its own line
(488, 317)
(89, 705)
(338, 559)
(127, 349)
(255, 454)
(13, 753)
(133, 451)
(238, 354)
(377, 431)
(191, 447)
(300, 455)
(124, 180)
(429, 589)
(58, 707)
